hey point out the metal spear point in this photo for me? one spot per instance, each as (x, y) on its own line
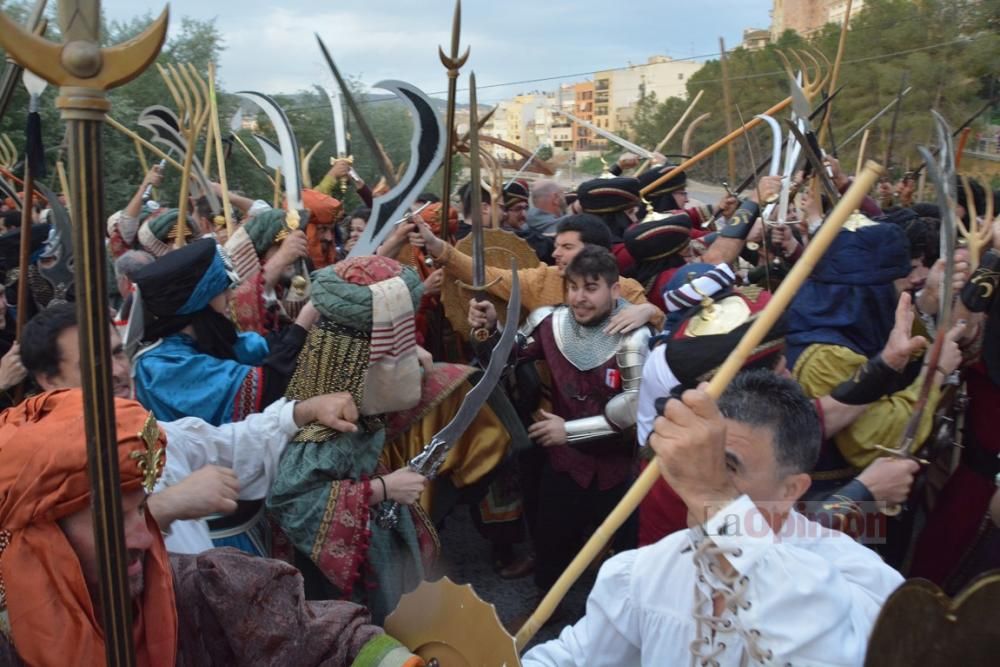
(453, 64)
(85, 71)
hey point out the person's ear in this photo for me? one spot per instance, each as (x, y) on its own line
(795, 486)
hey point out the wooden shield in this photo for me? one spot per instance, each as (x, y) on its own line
(449, 623)
(920, 625)
(500, 246)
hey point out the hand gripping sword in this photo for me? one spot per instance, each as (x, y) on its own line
(85, 72)
(429, 461)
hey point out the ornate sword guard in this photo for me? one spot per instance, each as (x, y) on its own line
(428, 462)
(811, 85)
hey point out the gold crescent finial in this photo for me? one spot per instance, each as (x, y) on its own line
(79, 62)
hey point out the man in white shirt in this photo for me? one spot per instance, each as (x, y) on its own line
(209, 467)
(753, 582)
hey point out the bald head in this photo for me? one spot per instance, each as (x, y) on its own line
(548, 196)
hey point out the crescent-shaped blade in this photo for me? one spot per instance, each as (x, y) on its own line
(291, 168)
(60, 274)
(272, 154)
(427, 148)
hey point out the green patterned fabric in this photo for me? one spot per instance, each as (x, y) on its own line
(163, 224)
(350, 305)
(264, 227)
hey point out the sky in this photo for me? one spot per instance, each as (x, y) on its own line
(269, 46)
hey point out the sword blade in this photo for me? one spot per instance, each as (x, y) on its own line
(339, 137)
(387, 170)
(610, 136)
(475, 191)
(874, 118)
(291, 167)
(474, 400)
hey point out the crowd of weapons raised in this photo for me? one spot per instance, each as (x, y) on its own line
(764, 417)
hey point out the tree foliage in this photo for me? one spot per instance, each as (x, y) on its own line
(947, 50)
(199, 43)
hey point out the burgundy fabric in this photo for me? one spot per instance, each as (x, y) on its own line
(235, 609)
(953, 525)
(577, 394)
(661, 513)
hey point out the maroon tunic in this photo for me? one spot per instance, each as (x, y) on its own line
(959, 517)
(577, 394)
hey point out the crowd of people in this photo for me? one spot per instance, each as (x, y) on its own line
(276, 389)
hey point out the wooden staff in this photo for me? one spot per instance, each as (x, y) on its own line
(84, 73)
(452, 63)
(734, 362)
(721, 143)
(824, 127)
(227, 205)
(861, 150)
(24, 249)
(670, 135)
(727, 102)
(960, 149)
(151, 147)
(64, 184)
(976, 235)
(193, 115)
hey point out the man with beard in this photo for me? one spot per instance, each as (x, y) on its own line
(545, 285)
(187, 610)
(587, 437)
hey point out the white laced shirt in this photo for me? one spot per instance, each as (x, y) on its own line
(806, 596)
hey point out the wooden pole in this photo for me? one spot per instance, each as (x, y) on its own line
(734, 362)
(670, 135)
(227, 205)
(861, 150)
(64, 184)
(85, 71)
(721, 143)
(453, 63)
(151, 147)
(727, 102)
(824, 127)
(24, 254)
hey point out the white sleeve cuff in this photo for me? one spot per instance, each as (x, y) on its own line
(286, 416)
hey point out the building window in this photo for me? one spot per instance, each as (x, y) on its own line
(680, 76)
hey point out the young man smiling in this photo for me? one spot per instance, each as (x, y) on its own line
(589, 447)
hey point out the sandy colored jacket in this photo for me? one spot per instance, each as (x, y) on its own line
(541, 285)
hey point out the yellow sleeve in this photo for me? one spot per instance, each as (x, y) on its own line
(823, 367)
(538, 288)
(325, 186)
(633, 292)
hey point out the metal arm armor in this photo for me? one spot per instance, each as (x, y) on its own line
(621, 411)
(535, 317)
